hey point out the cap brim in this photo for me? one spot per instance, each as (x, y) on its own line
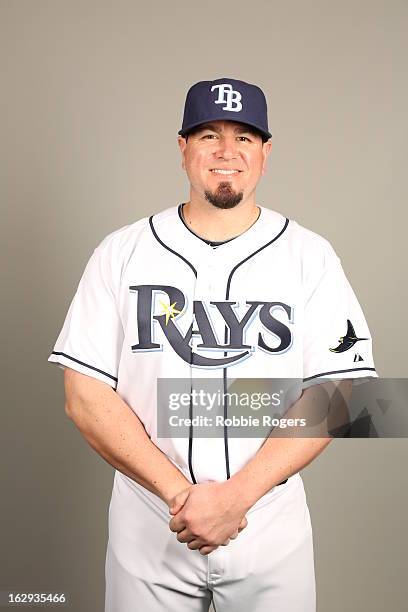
(186, 130)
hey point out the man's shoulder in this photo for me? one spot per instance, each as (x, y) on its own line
(308, 237)
(291, 227)
(312, 246)
(119, 240)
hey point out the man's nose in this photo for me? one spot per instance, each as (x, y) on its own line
(227, 147)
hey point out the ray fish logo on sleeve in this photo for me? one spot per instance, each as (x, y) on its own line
(229, 97)
(347, 341)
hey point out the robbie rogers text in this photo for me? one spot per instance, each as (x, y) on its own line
(235, 421)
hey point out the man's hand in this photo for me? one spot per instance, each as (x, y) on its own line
(207, 516)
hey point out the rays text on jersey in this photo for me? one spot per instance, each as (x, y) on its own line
(258, 313)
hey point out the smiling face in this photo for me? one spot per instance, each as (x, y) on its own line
(224, 161)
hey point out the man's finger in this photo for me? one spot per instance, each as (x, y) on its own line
(185, 536)
(178, 501)
(206, 550)
(243, 524)
(195, 544)
(177, 524)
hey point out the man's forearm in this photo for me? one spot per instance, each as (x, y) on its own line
(281, 456)
(276, 460)
(116, 433)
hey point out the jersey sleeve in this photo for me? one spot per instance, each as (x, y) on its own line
(337, 342)
(91, 337)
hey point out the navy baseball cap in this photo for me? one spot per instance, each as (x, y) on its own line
(227, 99)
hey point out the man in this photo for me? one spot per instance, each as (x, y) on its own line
(218, 288)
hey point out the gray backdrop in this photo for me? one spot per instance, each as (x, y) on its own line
(92, 98)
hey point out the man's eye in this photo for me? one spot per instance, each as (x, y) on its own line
(215, 136)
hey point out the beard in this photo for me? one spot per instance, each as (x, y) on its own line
(224, 196)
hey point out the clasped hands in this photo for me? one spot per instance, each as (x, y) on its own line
(207, 515)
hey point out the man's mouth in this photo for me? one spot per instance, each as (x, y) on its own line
(224, 171)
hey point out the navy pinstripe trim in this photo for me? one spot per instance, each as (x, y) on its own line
(86, 365)
(210, 242)
(190, 435)
(226, 449)
(252, 255)
(168, 248)
(336, 372)
(227, 292)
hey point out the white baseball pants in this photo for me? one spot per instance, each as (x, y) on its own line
(268, 568)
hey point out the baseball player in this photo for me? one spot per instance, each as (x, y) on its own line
(217, 288)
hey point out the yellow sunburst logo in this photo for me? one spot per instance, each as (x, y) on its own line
(169, 310)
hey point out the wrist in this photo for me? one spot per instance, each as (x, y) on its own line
(174, 488)
(245, 497)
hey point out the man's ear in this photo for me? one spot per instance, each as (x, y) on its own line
(266, 149)
(182, 142)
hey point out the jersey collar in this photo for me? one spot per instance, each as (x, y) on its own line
(172, 233)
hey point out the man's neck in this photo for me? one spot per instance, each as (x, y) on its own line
(218, 224)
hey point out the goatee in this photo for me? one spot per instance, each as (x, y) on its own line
(224, 196)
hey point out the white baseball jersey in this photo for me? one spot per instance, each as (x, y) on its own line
(157, 301)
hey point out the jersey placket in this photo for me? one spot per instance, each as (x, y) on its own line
(208, 454)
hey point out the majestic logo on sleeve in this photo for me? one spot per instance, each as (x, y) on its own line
(347, 341)
(236, 327)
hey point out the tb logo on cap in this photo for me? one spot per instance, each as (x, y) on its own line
(226, 96)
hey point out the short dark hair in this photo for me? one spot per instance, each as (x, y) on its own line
(251, 129)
